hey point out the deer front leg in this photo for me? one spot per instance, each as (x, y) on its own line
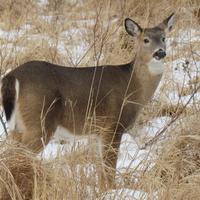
(110, 144)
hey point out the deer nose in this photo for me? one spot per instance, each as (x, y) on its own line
(159, 54)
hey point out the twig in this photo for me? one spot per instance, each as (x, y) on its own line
(4, 126)
(155, 139)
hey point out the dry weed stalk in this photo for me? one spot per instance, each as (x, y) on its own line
(21, 171)
(176, 173)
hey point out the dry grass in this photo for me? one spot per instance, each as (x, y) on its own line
(55, 32)
(70, 175)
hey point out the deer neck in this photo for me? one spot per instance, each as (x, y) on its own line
(147, 76)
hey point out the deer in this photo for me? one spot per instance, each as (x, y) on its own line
(42, 100)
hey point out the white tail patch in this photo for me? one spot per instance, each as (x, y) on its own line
(17, 90)
(15, 122)
(12, 121)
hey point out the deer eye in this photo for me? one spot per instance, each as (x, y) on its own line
(163, 39)
(146, 41)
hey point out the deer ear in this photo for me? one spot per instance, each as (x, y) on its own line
(132, 28)
(168, 23)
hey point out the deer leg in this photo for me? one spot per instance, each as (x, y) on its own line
(34, 129)
(34, 137)
(29, 137)
(109, 150)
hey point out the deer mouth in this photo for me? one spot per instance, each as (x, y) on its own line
(160, 54)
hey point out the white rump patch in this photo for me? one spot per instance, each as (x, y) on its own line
(62, 133)
(17, 89)
(156, 66)
(12, 121)
(15, 122)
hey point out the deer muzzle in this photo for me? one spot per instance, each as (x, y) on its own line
(160, 54)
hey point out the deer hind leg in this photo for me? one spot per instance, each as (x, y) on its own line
(32, 129)
(110, 144)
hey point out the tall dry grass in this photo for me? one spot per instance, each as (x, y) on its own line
(36, 31)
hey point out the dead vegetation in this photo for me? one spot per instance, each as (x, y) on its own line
(55, 31)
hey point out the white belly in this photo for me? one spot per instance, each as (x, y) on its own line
(62, 133)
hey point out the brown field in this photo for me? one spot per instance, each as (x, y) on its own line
(89, 33)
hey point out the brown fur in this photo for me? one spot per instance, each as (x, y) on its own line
(103, 100)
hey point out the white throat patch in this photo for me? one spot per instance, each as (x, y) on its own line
(156, 66)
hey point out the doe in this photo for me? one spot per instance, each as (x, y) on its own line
(42, 100)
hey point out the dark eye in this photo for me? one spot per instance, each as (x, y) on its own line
(163, 39)
(146, 41)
